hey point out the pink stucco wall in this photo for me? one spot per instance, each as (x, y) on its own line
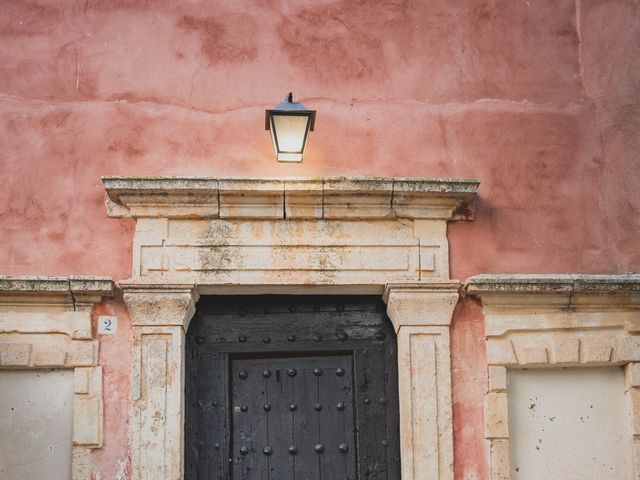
(538, 99)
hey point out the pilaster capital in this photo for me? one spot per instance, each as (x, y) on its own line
(421, 304)
(160, 305)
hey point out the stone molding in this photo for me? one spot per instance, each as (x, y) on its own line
(160, 316)
(74, 292)
(421, 315)
(557, 321)
(45, 322)
(293, 198)
(290, 231)
(429, 304)
(161, 313)
(160, 304)
(306, 235)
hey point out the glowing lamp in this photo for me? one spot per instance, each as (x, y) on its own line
(290, 123)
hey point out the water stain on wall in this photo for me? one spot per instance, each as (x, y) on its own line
(222, 39)
(344, 40)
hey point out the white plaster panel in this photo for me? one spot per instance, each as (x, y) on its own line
(568, 424)
(36, 410)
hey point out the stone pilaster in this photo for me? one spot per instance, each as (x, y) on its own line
(160, 317)
(421, 315)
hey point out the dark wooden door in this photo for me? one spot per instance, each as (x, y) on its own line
(282, 388)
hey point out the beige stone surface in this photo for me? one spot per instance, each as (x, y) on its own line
(292, 252)
(355, 198)
(496, 415)
(88, 407)
(497, 379)
(245, 235)
(45, 322)
(76, 325)
(633, 399)
(303, 198)
(559, 321)
(421, 315)
(160, 317)
(426, 434)
(416, 304)
(632, 375)
(499, 459)
(160, 305)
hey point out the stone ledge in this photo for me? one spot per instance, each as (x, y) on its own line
(73, 293)
(554, 292)
(544, 283)
(279, 198)
(102, 286)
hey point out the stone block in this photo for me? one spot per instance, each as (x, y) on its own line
(82, 354)
(87, 420)
(303, 198)
(81, 380)
(15, 354)
(564, 349)
(632, 375)
(596, 350)
(428, 258)
(532, 355)
(81, 464)
(627, 349)
(496, 415)
(75, 324)
(87, 407)
(500, 464)
(635, 457)
(264, 199)
(46, 355)
(633, 399)
(500, 352)
(152, 230)
(497, 379)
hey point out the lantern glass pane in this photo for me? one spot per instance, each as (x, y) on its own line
(290, 131)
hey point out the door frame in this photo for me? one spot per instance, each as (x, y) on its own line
(311, 236)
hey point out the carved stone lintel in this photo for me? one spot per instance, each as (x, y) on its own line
(273, 198)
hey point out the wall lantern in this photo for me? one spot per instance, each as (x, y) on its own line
(289, 123)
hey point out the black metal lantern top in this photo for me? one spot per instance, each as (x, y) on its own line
(289, 123)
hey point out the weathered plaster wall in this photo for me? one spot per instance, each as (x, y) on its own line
(469, 384)
(537, 99)
(113, 460)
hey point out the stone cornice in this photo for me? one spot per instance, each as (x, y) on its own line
(556, 291)
(296, 198)
(74, 291)
(421, 304)
(75, 284)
